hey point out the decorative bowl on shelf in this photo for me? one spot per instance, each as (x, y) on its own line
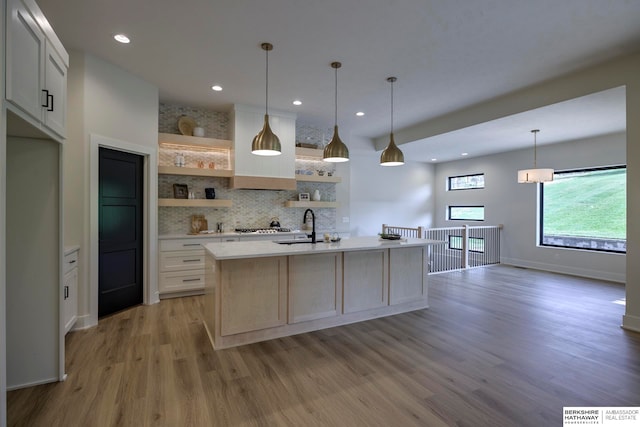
(390, 236)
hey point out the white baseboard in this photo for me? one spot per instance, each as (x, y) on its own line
(31, 384)
(563, 269)
(631, 323)
(83, 322)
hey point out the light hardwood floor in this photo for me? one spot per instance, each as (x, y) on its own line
(500, 346)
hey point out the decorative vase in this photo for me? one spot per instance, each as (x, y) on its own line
(316, 196)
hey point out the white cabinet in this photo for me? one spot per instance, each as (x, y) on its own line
(36, 69)
(55, 83)
(181, 266)
(70, 289)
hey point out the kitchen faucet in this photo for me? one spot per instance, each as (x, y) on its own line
(313, 224)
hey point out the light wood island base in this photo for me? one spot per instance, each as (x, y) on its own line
(256, 291)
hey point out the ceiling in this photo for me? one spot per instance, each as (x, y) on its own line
(446, 55)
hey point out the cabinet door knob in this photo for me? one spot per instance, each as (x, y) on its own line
(46, 98)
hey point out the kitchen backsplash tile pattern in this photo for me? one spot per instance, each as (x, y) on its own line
(215, 123)
(250, 208)
(310, 134)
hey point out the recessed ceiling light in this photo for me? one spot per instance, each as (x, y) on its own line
(217, 88)
(121, 38)
(464, 154)
(297, 102)
(433, 160)
(360, 113)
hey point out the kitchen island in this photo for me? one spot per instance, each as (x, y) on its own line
(255, 291)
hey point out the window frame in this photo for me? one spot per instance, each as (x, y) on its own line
(449, 207)
(541, 210)
(457, 236)
(449, 178)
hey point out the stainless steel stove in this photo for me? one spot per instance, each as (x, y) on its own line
(270, 230)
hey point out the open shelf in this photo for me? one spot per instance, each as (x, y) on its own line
(317, 178)
(174, 170)
(312, 153)
(199, 203)
(310, 204)
(190, 142)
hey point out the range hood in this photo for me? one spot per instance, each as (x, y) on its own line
(262, 172)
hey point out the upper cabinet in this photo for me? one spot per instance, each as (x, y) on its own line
(263, 172)
(36, 69)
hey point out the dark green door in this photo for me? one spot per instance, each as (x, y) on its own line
(120, 231)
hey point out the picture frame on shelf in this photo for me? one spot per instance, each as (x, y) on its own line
(180, 191)
(303, 197)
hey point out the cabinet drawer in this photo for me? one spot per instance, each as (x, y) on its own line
(185, 244)
(182, 260)
(181, 281)
(70, 261)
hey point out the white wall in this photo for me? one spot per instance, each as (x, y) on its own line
(515, 205)
(3, 164)
(33, 274)
(402, 195)
(108, 101)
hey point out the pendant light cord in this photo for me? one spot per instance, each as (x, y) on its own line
(266, 100)
(335, 118)
(391, 106)
(535, 148)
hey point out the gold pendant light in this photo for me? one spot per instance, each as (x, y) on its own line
(392, 155)
(336, 151)
(535, 175)
(266, 143)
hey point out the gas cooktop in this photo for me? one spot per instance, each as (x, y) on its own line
(270, 230)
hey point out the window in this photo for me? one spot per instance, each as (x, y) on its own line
(466, 213)
(585, 209)
(476, 244)
(465, 182)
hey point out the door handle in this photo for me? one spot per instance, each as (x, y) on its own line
(190, 260)
(51, 107)
(46, 98)
(66, 292)
(190, 280)
(191, 244)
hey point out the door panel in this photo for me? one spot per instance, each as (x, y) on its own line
(120, 231)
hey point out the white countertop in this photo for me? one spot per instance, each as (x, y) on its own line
(284, 234)
(267, 248)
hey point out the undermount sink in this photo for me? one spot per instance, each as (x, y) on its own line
(291, 242)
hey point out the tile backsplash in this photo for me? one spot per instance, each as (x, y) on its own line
(250, 208)
(216, 124)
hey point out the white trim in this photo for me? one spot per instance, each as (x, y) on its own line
(563, 269)
(34, 383)
(150, 262)
(631, 323)
(61, 329)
